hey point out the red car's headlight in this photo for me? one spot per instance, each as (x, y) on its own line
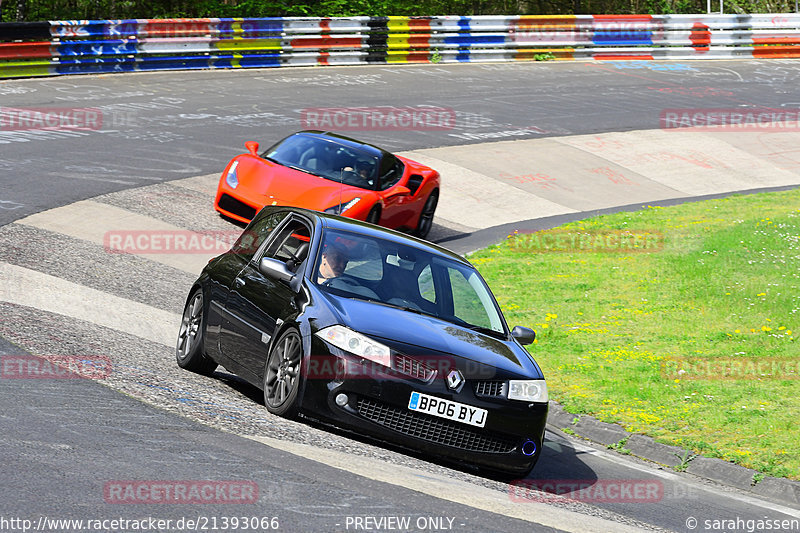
(341, 208)
(231, 178)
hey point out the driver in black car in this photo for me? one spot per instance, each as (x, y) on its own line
(334, 261)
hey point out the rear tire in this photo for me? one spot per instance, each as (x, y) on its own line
(426, 217)
(374, 216)
(189, 351)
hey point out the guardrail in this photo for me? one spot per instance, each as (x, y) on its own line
(99, 46)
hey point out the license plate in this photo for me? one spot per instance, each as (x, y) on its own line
(474, 416)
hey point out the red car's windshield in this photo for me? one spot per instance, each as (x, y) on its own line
(326, 158)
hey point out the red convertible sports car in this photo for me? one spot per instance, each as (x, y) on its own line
(331, 173)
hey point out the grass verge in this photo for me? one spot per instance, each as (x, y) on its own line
(678, 322)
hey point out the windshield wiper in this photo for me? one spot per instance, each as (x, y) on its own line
(295, 167)
(479, 329)
(404, 308)
(488, 331)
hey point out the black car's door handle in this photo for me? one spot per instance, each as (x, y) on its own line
(238, 283)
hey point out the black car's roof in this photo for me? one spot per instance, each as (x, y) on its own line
(347, 141)
(357, 226)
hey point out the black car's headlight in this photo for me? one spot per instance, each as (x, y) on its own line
(341, 208)
(353, 342)
(231, 178)
(533, 390)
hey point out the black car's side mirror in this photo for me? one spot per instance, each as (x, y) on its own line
(275, 269)
(523, 335)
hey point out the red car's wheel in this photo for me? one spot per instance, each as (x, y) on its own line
(374, 216)
(426, 217)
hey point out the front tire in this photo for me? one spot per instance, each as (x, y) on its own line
(282, 375)
(189, 351)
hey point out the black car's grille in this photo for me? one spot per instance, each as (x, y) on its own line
(494, 389)
(232, 205)
(411, 367)
(432, 429)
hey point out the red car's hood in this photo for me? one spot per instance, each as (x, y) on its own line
(268, 183)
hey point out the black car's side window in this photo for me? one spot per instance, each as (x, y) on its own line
(427, 289)
(256, 233)
(290, 244)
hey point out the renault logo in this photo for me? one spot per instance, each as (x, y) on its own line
(454, 379)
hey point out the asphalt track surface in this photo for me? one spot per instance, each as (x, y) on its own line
(168, 125)
(63, 439)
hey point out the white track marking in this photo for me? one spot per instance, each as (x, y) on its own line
(29, 288)
(479, 201)
(449, 489)
(96, 222)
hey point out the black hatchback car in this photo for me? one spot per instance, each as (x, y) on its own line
(372, 331)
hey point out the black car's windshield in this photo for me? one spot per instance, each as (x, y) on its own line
(406, 277)
(326, 158)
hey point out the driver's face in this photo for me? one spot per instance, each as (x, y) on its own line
(333, 264)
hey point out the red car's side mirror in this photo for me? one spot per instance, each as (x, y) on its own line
(400, 190)
(252, 147)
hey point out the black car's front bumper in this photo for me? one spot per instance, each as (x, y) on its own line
(375, 402)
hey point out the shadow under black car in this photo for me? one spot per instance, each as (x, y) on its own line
(559, 460)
